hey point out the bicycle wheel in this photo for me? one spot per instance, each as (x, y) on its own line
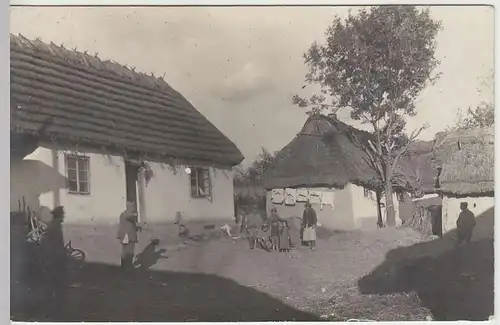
(77, 255)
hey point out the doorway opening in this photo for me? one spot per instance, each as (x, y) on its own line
(131, 176)
(437, 220)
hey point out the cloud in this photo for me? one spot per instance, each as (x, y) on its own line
(240, 65)
(246, 82)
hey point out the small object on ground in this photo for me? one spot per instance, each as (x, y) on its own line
(226, 229)
(428, 318)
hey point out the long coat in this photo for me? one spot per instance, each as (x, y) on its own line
(466, 221)
(128, 226)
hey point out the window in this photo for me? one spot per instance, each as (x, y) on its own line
(366, 192)
(200, 182)
(78, 174)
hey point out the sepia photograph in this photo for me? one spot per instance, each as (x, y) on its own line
(252, 163)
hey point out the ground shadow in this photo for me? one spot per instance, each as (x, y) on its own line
(150, 255)
(100, 292)
(454, 284)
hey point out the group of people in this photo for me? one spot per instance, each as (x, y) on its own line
(275, 233)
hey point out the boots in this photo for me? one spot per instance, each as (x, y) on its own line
(253, 241)
(127, 262)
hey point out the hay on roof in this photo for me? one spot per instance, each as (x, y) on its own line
(324, 154)
(102, 103)
(421, 160)
(467, 161)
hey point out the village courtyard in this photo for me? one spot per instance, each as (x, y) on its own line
(121, 186)
(386, 274)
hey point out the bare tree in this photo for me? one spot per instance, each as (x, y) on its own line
(375, 64)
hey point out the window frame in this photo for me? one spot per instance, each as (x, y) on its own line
(197, 173)
(77, 159)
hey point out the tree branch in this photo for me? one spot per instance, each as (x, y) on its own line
(414, 135)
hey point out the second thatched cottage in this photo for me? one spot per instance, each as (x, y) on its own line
(90, 135)
(465, 160)
(326, 165)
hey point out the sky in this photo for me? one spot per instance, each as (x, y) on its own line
(240, 66)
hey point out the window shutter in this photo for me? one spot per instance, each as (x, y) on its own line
(193, 183)
(206, 182)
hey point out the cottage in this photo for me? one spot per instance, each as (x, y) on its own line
(421, 159)
(466, 163)
(90, 135)
(326, 165)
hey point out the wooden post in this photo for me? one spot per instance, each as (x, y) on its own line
(141, 187)
(380, 221)
(57, 191)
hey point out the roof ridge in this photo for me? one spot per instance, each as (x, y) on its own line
(89, 61)
(335, 122)
(40, 73)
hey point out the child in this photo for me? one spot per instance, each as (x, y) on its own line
(274, 224)
(284, 241)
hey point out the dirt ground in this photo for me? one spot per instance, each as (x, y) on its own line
(223, 280)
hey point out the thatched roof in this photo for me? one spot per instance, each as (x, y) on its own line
(324, 154)
(105, 104)
(422, 162)
(467, 159)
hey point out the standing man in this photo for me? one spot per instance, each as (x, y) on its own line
(55, 261)
(310, 220)
(465, 224)
(127, 234)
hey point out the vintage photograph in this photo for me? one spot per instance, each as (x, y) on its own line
(251, 163)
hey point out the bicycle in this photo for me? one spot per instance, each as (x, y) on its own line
(75, 254)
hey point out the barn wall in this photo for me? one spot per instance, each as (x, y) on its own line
(338, 217)
(32, 182)
(364, 208)
(41, 179)
(169, 191)
(451, 209)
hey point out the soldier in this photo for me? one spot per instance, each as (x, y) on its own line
(465, 224)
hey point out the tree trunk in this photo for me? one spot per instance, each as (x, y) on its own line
(380, 221)
(389, 204)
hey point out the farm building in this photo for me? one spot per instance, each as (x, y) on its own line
(89, 135)
(422, 162)
(466, 162)
(427, 206)
(326, 165)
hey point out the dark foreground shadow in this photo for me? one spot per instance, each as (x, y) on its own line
(453, 283)
(99, 292)
(149, 256)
